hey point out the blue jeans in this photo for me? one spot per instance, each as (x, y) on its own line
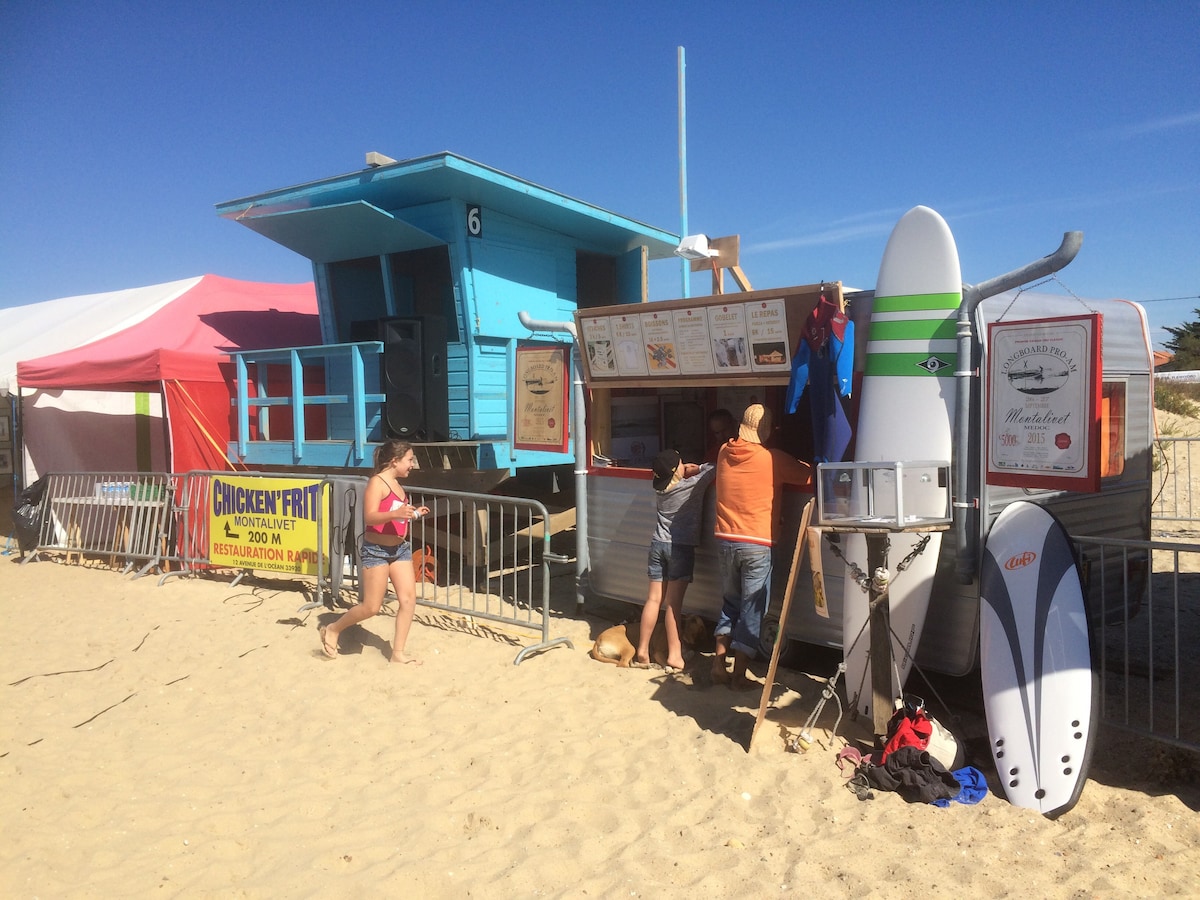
(745, 592)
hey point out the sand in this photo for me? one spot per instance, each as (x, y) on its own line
(189, 740)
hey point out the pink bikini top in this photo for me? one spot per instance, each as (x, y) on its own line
(398, 527)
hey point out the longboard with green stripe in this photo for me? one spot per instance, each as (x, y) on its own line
(906, 413)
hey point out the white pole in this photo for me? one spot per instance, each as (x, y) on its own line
(684, 265)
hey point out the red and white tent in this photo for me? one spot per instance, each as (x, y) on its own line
(154, 393)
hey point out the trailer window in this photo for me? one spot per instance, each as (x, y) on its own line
(1112, 429)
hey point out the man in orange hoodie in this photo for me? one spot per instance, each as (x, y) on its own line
(750, 480)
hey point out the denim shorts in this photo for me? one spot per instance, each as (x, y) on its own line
(670, 562)
(378, 555)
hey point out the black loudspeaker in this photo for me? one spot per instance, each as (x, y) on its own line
(416, 386)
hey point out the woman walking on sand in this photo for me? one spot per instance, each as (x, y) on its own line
(386, 550)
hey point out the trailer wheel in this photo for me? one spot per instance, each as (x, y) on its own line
(770, 634)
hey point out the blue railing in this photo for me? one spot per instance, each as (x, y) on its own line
(331, 359)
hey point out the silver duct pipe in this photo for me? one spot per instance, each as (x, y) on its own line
(579, 427)
(966, 502)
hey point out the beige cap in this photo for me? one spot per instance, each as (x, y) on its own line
(756, 424)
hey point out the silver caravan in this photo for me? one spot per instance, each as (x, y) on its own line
(631, 419)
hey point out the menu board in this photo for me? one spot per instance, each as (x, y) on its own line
(597, 338)
(721, 338)
(658, 334)
(628, 344)
(767, 325)
(692, 349)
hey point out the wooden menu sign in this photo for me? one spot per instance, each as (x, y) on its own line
(698, 341)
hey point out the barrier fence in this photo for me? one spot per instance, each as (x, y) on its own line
(487, 557)
(482, 556)
(119, 516)
(478, 555)
(1149, 670)
(1177, 460)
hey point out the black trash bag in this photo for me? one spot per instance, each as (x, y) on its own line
(28, 515)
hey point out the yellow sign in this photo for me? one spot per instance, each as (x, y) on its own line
(265, 523)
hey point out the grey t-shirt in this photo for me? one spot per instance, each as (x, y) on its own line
(681, 509)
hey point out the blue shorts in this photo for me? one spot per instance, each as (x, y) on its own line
(378, 555)
(671, 562)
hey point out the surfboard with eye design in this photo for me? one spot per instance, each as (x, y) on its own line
(906, 413)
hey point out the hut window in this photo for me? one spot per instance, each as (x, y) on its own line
(1112, 429)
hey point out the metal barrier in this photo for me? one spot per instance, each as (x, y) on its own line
(1149, 668)
(192, 549)
(1174, 468)
(479, 555)
(121, 515)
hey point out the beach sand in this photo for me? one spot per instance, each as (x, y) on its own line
(189, 740)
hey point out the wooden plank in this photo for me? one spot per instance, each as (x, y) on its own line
(881, 638)
(797, 559)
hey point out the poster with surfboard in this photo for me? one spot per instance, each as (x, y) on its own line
(906, 412)
(1040, 695)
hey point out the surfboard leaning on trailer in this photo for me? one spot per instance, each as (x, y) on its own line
(906, 412)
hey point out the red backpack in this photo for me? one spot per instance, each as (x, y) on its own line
(909, 726)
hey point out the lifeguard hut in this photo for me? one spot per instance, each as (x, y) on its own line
(421, 267)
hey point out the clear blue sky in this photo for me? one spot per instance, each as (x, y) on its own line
(810, 129)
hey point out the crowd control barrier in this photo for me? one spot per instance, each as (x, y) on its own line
(1148, 668)
(124, 517)
(481, 556)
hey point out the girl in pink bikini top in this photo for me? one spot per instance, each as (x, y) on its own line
(386, 510)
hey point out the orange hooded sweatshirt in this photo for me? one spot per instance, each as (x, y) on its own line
(750, 480)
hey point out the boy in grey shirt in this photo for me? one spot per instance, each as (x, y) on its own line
(679, 499)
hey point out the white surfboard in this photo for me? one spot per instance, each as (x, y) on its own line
(1039, 686)
(906, 413)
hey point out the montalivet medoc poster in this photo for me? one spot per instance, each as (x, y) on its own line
(1044, 383)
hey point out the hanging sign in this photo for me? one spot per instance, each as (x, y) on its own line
(540, 417)
(265, 523)
(1044, 383)
(698, 342)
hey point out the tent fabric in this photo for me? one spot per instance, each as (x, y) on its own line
(187, 338)
(175, 345)
(40, 329)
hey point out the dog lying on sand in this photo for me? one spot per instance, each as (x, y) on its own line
(619, 644)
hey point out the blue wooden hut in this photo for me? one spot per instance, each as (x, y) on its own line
(421, 267)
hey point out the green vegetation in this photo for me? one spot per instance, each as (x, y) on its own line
(1185, 344)
(1177, 397)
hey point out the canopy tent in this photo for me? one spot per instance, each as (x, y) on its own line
(157, 351)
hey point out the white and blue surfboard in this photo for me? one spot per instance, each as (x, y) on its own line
(1040, 693)
(906, 413)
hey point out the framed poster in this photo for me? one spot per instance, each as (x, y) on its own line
(540, 419)
(1044, 383)
(5, 430)
(6, 461)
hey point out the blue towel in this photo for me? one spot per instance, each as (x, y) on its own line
(973, 787)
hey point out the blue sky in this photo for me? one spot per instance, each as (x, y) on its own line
(811, 128)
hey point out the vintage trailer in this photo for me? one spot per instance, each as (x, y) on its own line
(633, 416)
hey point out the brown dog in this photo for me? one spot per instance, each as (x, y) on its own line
(619, 644)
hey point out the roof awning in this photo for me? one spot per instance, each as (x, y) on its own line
(342, 231)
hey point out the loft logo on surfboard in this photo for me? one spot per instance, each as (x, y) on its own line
(933, 365)
(1021, 560)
